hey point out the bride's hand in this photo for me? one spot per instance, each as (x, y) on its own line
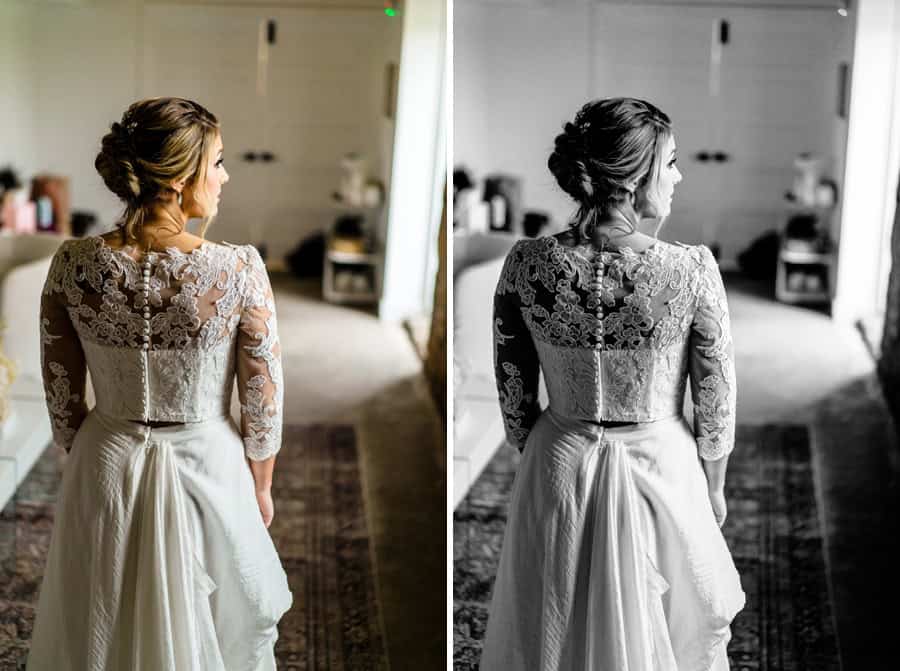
(719, 507)
(266, 505)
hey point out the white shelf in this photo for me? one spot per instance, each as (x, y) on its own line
(786, 296)
(478, 434)
(368, 263)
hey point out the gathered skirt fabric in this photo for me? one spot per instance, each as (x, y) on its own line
(159, 558)
(612, 559)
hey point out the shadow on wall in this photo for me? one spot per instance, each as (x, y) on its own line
(889, 362)
(436, 358)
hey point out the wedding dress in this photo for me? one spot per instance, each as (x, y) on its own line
(612, 559)
(159, 558)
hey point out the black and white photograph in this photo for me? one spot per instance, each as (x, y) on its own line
(676, 334)
(223, 335)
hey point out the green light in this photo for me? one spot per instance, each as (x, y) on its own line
(390, 11)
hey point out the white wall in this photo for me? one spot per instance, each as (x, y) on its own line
(79, 63)
(418, 171)
(872, 163)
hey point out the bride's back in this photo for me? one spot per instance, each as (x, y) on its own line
(190, 299)
(162, 333)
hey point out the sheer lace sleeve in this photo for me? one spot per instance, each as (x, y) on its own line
(63, 365)
(516, 366)
(712, 364)
(260, 384)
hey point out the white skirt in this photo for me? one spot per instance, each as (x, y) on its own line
(612, 559)
(159, 559)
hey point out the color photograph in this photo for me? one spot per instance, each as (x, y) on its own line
(223, 346)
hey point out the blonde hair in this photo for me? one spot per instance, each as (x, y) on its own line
(158, 141)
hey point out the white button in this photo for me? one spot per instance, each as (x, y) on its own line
(145, 346)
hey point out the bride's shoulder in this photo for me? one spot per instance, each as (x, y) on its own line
(527, 245)
(699, 254)
(247, 256)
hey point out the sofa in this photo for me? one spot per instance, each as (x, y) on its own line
(24, 262)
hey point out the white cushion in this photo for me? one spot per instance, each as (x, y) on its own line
(20, 296)
(473, 340)
(473, 248)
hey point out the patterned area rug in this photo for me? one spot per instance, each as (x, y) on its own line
(319, 529)
(773, 532)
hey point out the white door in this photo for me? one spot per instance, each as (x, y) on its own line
(778, 99)
(761, 98)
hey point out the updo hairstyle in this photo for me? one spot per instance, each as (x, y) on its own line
(158, 141)
(612, 145)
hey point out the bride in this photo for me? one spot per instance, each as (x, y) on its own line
(613, 558)
(160, 556)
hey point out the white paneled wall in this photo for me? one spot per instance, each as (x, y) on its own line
(524, 67)
(419, 165)
(530, 71)
(83, 62)
(17, 84)
(872, 164)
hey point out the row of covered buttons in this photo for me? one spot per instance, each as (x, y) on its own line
(597, 286)
(145, 288)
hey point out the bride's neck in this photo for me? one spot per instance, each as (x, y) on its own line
(160, 223)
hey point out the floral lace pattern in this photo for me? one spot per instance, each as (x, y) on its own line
(59, 396)
(161, 345)
(616, 333)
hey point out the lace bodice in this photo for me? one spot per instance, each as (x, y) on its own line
(616, 334)
(163, 335)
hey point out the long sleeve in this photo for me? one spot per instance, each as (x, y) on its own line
(260, 383)
(713, 384)
(516, 366)
(63, 365)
